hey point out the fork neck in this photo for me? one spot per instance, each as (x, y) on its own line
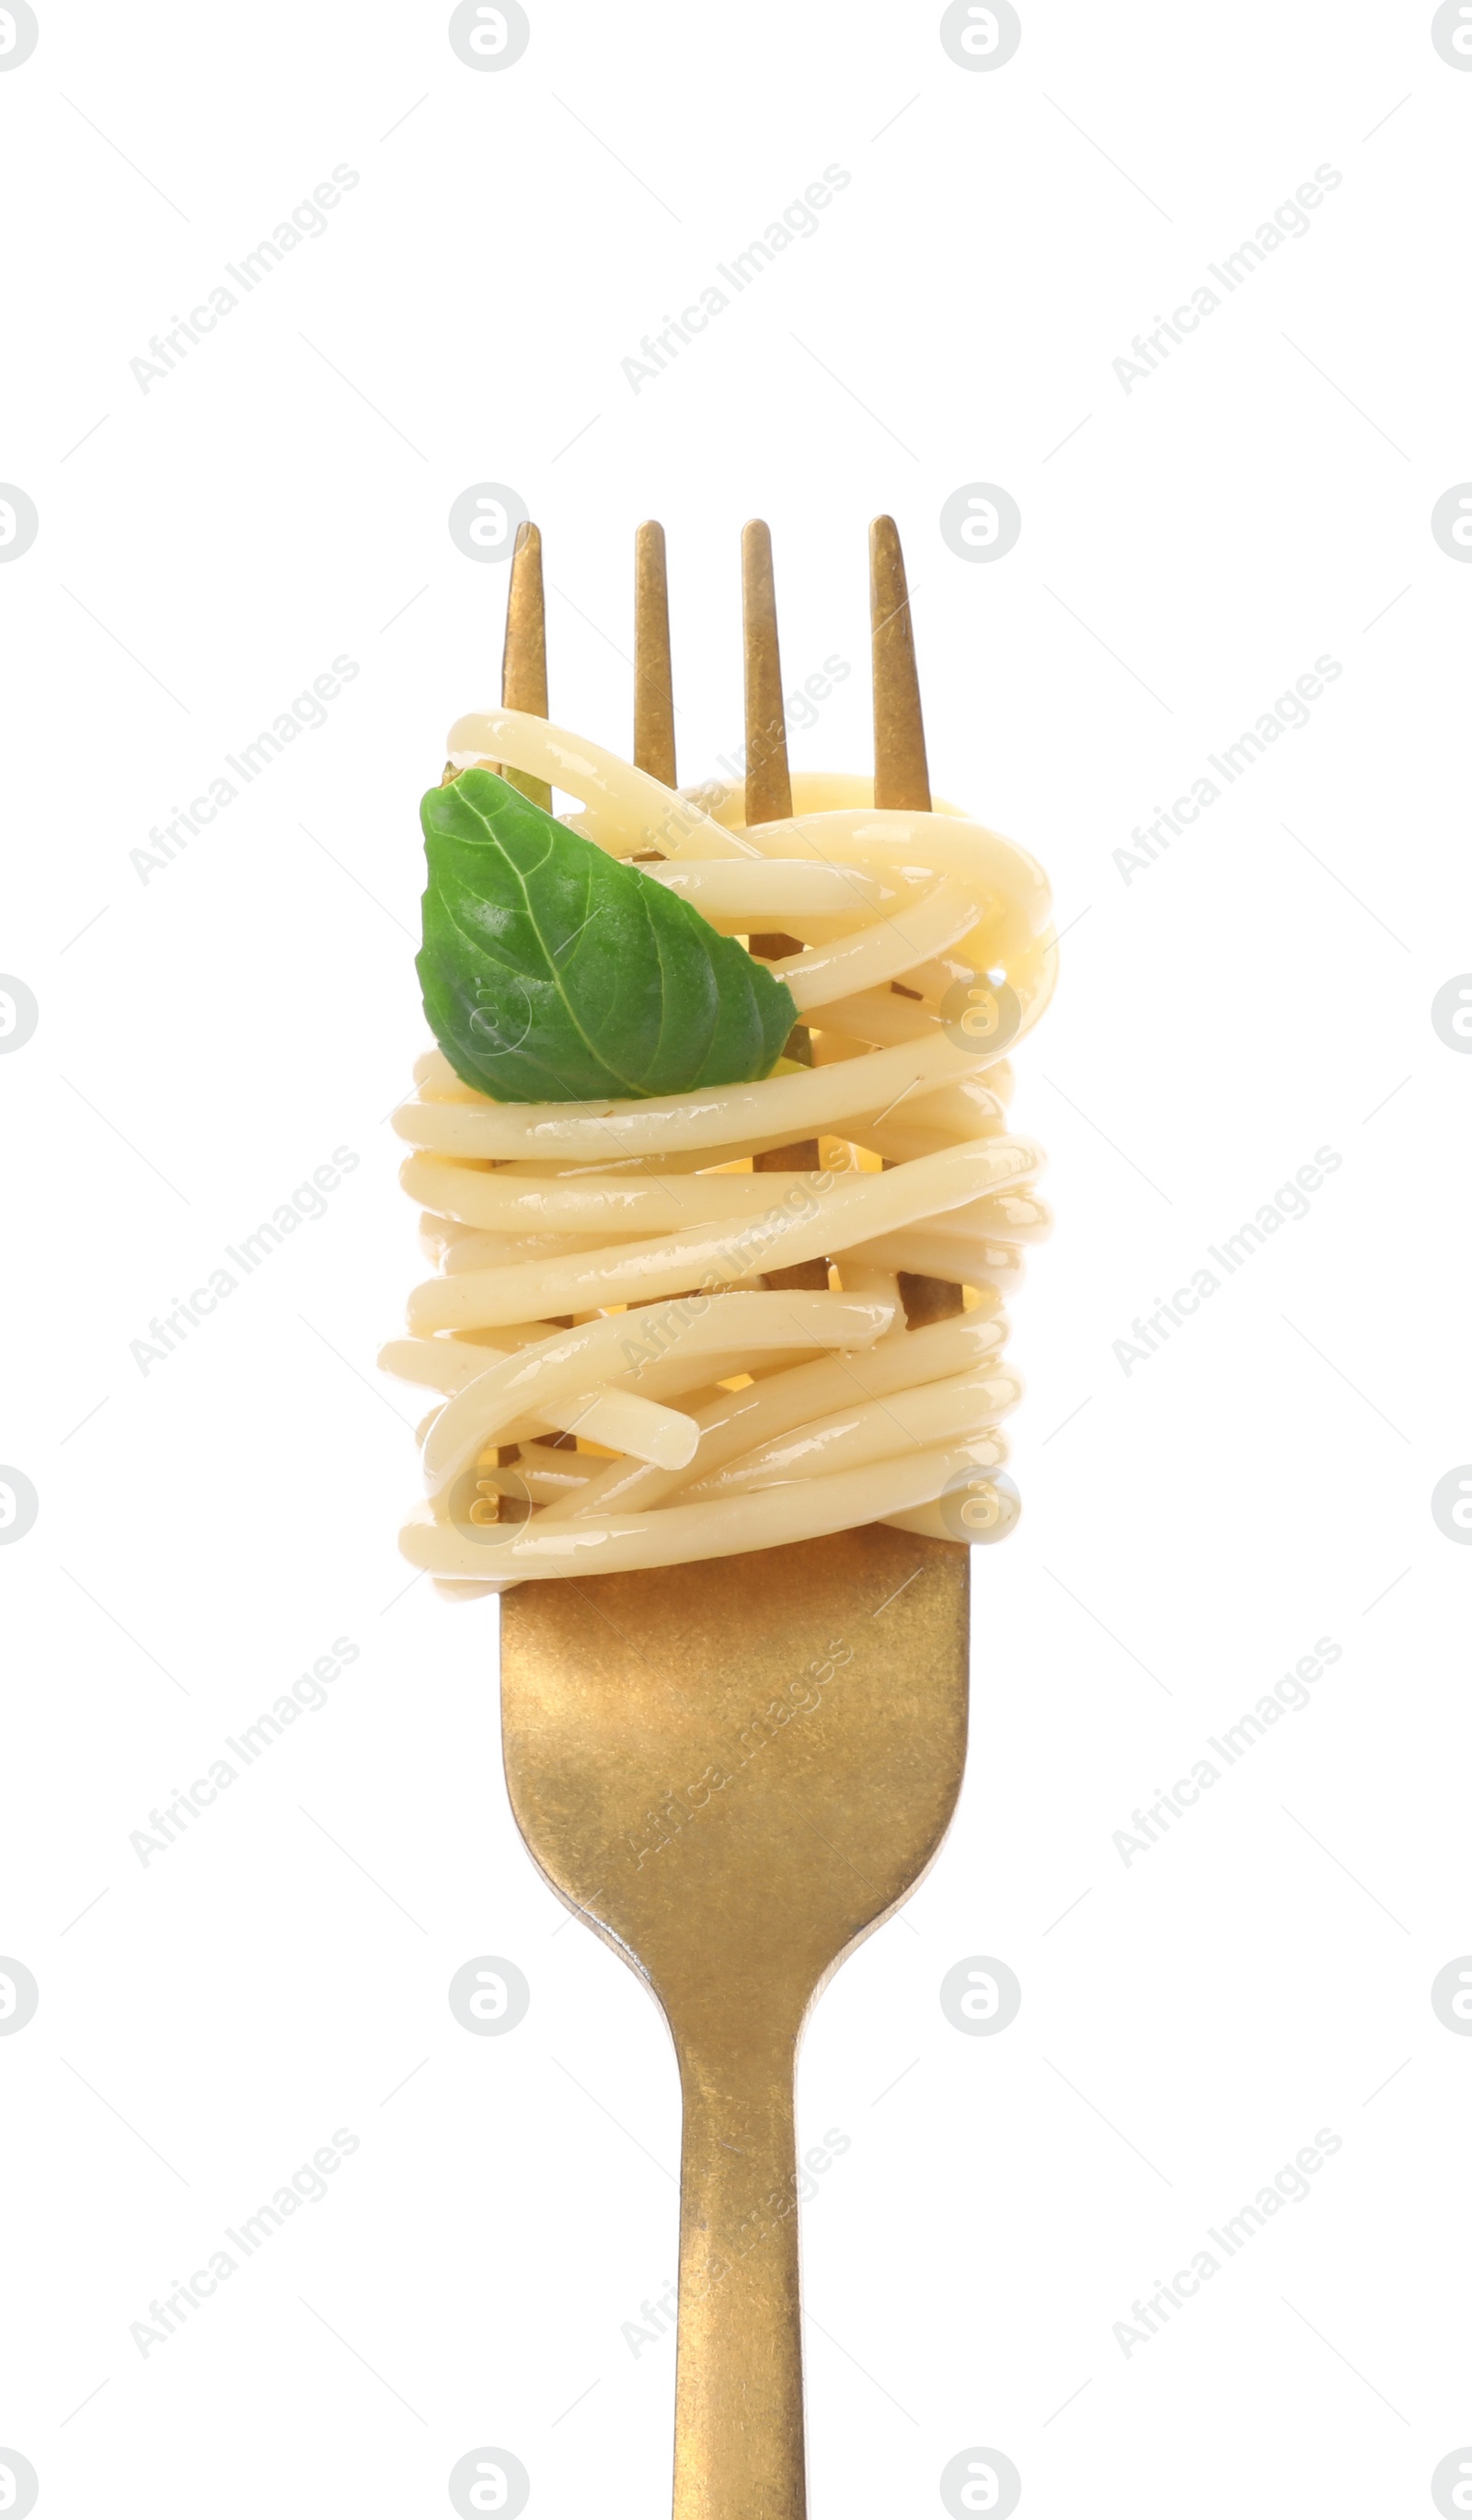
(739, 2441)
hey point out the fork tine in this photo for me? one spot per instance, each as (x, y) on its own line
(901, 774)
(768, 799)
(654, 687)
(768, 788)
(524, 686)
(523, 658)
(902, 781)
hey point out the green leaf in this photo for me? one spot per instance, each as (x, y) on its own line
(554, 973)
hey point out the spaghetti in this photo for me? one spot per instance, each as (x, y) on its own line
(603, 1266)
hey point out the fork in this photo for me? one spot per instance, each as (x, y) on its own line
(735, 1771)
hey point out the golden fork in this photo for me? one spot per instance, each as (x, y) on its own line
(735, 1771)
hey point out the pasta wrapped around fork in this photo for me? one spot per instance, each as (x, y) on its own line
(604, 1265)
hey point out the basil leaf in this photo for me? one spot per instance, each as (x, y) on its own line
(554, 973)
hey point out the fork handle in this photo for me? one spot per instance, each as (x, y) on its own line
(738, 2422)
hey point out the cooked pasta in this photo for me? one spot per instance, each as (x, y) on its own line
(603, 1266)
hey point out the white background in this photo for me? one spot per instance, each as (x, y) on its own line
(207, 1036)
